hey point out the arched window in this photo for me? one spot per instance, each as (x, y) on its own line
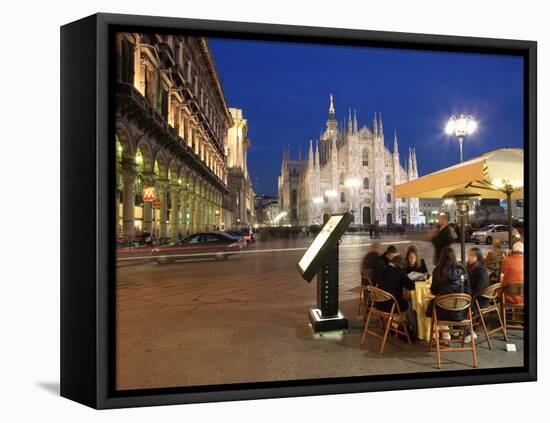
(366, 183)
(388, 197)
(341, 179)
(388, 180)
(365, 157)
(342, 197)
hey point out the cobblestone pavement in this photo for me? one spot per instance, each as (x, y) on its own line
(246, 320)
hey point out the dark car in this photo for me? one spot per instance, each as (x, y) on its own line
(216, 245)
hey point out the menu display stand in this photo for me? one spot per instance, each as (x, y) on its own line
(322, 259)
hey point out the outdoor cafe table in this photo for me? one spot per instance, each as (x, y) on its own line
(420, 298)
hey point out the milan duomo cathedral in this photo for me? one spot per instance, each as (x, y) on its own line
(347, 169)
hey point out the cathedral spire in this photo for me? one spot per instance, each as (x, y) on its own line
(415, 167)
(332, 124)
(310, 153)
(395, 144)
(350, 124)
(317, 158)
(410, 164)
(381, 126)
(355, 121)
(375, 126)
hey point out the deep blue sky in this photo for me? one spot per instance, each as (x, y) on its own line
(283, 89)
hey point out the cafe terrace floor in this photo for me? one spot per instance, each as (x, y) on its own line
(246, 320)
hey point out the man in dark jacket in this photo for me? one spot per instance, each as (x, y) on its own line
(381, 264)
(394, 281)
(442, 238)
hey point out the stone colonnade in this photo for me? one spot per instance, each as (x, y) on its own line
(185, 202)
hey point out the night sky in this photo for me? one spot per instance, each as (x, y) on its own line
(284, 88)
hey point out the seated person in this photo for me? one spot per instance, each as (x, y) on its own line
(415, 263)
(394, 281)
(493, 261)
(371, 258)
(381, 264)
(512, 271)
(449, 277)
(477, 273)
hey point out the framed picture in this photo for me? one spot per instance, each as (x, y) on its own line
(209, 170)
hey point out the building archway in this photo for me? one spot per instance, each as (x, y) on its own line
(144, 164)
(366, 216)
(325, 218)
(125, 177)
(389, 219)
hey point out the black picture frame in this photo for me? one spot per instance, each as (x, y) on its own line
(87, 170)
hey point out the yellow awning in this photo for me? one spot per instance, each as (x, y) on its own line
(485, 175)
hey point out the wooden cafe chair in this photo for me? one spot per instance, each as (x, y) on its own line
(491, 293)
(366, 280)
(393, 321)
(512, 313)
(456, 303)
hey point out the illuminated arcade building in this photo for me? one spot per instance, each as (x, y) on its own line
(238, 179)
(172, 122)
(350, 169)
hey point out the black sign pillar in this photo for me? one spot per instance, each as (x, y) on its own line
(327, 285)
(327, 316)
(321, 259)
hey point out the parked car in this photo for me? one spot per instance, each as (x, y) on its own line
(216, 245)
(487, 234)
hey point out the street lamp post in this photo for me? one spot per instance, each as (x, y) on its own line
(508, 186)
(460, 127)
(461, 198)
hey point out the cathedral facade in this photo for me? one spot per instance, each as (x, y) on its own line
(348, 169)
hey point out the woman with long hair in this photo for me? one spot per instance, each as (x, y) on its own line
(449, 277)
(414, 262)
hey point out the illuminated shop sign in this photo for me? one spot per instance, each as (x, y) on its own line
(149, 194)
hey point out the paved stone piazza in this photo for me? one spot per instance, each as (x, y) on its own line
(246, 320)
